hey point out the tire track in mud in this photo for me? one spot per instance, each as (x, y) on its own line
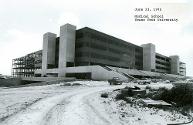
(24, 107)
(38, 108)
(56, 111)
(66, 108)
(98, 114)
(75, 110)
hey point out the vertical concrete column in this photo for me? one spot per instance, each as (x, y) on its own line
(66, 46)
(48, 52)
(182, 66)
(148, 57)
(175, 68)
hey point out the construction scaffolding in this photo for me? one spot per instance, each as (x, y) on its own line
(25, 66)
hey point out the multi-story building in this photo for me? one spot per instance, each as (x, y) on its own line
(96, 48)
(156, 62)
(87, 53)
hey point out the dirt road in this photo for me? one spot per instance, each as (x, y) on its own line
(68, 108)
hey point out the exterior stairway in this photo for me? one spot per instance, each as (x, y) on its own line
(124, 76)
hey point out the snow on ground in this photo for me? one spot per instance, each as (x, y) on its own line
(89, 83)
(33, 105)
(131, 114)
(158, 85)
(75, 111)
(72, 103)
(13, 100)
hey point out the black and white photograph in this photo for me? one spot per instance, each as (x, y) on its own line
(96, 62)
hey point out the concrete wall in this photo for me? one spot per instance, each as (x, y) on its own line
(148, 57)
(45, 78)
(97, 72)
(48, 52)
(100, 73)
(175, 64)
(66, 46)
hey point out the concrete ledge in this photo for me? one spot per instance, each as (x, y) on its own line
(46, 79)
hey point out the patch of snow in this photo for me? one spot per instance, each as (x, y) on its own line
(130, 113)
(89, 83)
(77, 104)
(156, 86)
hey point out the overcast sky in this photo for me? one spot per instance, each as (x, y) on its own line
(23, 23)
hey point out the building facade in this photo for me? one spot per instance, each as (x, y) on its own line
(87, 53)
(96, 48)
(162, 63)
(156, 62)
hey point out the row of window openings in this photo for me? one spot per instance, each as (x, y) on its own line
(86, 54)
(161, 63)
(139, 64)
(92, 44)
(119, 53)
(83, 43)
(102, 39)
(165, 59)
(128, 52)
(158, 67)
(99, 56)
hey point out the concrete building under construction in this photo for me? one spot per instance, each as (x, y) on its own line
(89, 54)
